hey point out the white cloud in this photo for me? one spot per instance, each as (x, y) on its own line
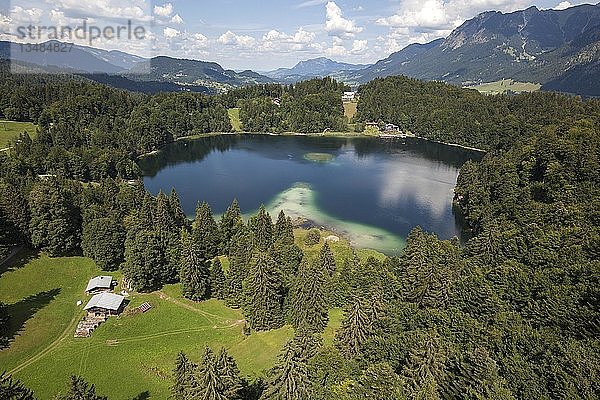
(20, 15)
(359, 46)
(280, 41)
(164, 11)
(171, 33)
(177, 19)
(135, 10)
(231, 39)
(563, 5)
(337, 25)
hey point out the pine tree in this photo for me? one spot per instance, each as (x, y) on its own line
(206, 232)
(262, 227)
(356, 328)
(308, 298)
(289, 379)
(177, 212)
(229, 224)
(79, 389)
(184, 378)
(424, 371)
(12, 389)
(147, 263)
(55, 219)
(104, 241)
(327, 260)
(264, 294)
(217, 280)
(240, 256)
(208, 382)
(163, 220)
(230, 375)
(194, 273)
(284, 230)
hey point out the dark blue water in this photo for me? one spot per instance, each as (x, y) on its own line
(388, 184)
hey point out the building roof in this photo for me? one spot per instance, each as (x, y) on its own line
(99, 282)
(107, 301)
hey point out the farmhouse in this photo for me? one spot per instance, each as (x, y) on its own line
(349, 96)
(104, 305)
(99, 284)
(392, 128)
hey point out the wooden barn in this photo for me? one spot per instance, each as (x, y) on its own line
(104, 305)
(99, 284)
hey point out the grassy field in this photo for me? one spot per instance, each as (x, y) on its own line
(234, 117)
(9, 130)
(350, 109)
(506, 85)
(134, 353)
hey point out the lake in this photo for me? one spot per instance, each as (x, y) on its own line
(372, 191)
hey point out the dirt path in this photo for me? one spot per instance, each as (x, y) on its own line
(208, 315)
(48, 349)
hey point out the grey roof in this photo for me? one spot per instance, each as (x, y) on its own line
(107, 301)
(99, 282)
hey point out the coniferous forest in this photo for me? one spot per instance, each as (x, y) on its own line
(513, 313)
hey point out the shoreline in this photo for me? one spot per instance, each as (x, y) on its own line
(333, 134)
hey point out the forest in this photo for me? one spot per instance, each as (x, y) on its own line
(514, 313)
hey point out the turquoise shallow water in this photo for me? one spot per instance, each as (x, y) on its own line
(373, 191)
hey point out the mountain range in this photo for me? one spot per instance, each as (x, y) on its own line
(559, 49)
(316, 67)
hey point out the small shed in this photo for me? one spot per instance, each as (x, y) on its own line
(105, 304)
(99, 284)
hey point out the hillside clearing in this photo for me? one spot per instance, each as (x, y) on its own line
(10, 130)
(506, 85)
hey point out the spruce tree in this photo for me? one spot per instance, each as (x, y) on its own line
(79, 389)
(13, 389)
(356, 328)
(262, 227)
(229, 224)
(284, 230)
(289, 379)
(147, 263)
(217, 280)
(194, 273)
(206, 232)
(240, 256)
(177, 213)
(55, 219)
(264, 294)
(163, 218)
(208, 382)
(308, 298)
(327, 260)
(184, 377)
(230, 375)
(104, 241)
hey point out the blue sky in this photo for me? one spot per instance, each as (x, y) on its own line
(267, 34)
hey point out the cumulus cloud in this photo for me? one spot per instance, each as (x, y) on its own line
(231, 39)
(171, 33)
(337, 25)
(107, 9)
(164, 11)
(563, 5)
(177, 19)
(280, 41)
(359, 47)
